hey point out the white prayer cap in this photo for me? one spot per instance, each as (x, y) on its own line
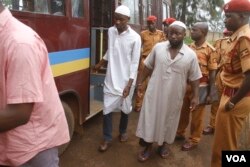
(178, 23)
(124, 10)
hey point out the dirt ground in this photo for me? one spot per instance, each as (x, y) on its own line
(83, 150)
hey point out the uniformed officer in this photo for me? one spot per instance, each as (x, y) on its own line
(235, 101)
(208, 64)
(220, 45)
(166, 23)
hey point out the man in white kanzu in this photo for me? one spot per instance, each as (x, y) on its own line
(172, 63)
(122, 56)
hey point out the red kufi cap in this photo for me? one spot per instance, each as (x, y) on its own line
(237, 6)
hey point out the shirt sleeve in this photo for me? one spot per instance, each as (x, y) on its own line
(135, 58)
(245, 54)
(24, 82)
(213, 59)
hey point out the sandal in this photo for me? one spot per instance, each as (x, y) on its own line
(163, 151)
(144, 155)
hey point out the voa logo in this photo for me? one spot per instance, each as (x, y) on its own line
(236, 158)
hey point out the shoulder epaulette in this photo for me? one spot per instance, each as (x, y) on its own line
(211, 46)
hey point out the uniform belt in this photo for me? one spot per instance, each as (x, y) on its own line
(231, 91)
(204, 79)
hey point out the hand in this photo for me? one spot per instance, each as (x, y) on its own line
(229, 106)
(139, 90)
(95, 68)
(193, 104)
(126, 91)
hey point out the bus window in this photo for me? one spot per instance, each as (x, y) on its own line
(147, 8)
(77, 8)
(134, 10)
(55, 7)
(165, 10)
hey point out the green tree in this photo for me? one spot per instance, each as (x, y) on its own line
(191, 11)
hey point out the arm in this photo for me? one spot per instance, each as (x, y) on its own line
(135, 59)
(211, 86)
(15, 115)
(141, 78)
(195, 94)
(243, 90)
(244, 54)
(101, 63)
(127, 88)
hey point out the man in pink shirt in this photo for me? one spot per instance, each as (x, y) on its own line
(32, 120)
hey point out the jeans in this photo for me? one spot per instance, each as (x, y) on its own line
(107, 125)
(46, 158)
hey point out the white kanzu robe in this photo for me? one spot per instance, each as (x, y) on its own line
(123, 57)
(160, 113)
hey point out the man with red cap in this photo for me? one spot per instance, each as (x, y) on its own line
(235, 75)
(149, 38)
(166, 24)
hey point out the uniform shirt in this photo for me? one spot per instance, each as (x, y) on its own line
(237, 58)
(207, 58)
(26, 77)
(149, 39)
(220, 46)
(123, 58)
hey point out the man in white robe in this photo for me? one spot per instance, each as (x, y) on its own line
(123, 56)
(172, 64)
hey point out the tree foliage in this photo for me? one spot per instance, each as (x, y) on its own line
(191, 11)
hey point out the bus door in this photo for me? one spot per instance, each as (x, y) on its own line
(100, 19)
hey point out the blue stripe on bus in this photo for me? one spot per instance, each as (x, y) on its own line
(68, 55)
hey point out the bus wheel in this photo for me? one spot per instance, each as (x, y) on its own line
(71, 124)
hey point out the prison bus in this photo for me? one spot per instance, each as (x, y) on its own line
(75, 33)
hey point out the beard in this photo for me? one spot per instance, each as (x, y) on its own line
(175, 44)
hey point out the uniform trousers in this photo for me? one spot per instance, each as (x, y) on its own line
(197, 117)
(229, 125)
(215, 104)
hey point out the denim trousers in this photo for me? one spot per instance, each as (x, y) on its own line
(46, 158)
(107, 125)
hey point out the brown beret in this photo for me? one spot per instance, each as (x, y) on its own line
(237, 6)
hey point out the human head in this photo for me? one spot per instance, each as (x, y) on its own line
(151, 23)
(122, 16)
(176, 34)
(199, 31)
(168, 21)
(166, 24)
(236, 14)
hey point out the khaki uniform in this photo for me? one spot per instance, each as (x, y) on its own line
(220, 46)
(229, 124)
(148, 39)
(208, 61)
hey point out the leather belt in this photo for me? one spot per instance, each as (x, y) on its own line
(231, 91)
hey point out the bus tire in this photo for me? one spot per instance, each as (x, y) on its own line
(71, 124)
